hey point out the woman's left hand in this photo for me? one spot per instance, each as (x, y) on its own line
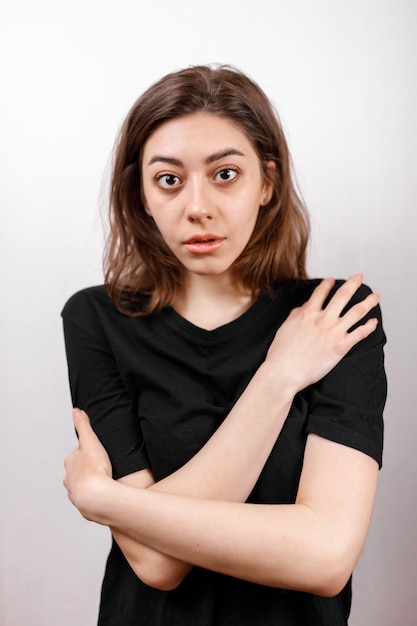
(88, 467)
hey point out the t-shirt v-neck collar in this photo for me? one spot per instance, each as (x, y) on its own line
(238, 325)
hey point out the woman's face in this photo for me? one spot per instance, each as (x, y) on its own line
(203, 185)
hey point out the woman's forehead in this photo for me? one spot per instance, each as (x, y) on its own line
(202, 134)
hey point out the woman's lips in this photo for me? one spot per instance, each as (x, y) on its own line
(204, 244)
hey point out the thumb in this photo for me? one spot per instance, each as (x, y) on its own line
(82, 424)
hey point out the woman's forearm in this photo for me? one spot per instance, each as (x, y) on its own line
(228, 465)
(278, 545)
(211, 534)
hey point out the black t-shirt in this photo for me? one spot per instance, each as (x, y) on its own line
(156, 388)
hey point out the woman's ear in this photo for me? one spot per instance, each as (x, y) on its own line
(268, 186)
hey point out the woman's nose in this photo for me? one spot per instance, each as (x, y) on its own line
(198, 203)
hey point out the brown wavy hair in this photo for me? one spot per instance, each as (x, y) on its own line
(137, 260)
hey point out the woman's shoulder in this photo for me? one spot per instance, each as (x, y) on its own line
(86, 300)
(92, 311)
(295, 293)
(298, 291)
(98, 298)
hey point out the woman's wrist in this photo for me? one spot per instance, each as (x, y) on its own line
(277, 382)
(93, 498)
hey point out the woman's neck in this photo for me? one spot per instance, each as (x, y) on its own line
(210, 302)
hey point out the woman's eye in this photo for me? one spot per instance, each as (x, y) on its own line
(167, 181)
(226, 174)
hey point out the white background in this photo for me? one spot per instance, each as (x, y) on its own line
(343, 76)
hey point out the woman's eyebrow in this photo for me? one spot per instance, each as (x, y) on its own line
(158, 158)
(216, 156)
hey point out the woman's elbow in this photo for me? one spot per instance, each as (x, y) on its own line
(162, 582)
(332, 574)
(329, 586)
(160, 572)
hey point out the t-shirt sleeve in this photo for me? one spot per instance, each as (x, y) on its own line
(97, 386)
(346, 406)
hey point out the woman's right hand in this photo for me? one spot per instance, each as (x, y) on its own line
(313, 339)
(87, 468)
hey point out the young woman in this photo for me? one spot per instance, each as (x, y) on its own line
(235, 405)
